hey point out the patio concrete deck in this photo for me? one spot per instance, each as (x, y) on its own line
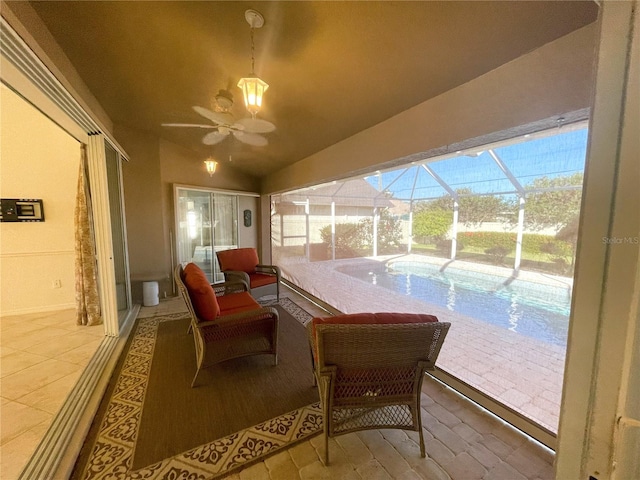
(522, 372)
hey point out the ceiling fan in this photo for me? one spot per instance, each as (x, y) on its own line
(247, 130)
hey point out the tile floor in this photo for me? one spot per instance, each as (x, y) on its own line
(463, 442)
(42, 357)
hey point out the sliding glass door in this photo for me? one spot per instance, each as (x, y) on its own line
(206, 222)
(117, 232)
(105, 180)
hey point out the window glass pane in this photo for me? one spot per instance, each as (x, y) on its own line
(194, 236)
(117, 230)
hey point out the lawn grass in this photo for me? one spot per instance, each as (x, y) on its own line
(539, 262)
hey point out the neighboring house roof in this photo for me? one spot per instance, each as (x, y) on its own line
(399, 207)
(356, 192)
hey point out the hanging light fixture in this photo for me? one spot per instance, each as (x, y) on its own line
(211, 165)
(252, 87)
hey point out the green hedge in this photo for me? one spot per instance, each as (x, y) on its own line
(531, 242)
(484, 240)
(534, 242)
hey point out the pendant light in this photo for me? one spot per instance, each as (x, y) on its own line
(211, 165)
(252, 87)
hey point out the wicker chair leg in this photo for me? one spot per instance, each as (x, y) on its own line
(275, 359)
(326, 411)
(326, 448)
(420, 434)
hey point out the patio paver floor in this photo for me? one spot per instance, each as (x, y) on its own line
(522, 372)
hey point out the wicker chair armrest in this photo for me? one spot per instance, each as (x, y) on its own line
(236, 275)
(426, 366)
(312, 345)
(269, 269)
(232, 286)
(310, 335)
(245, 317)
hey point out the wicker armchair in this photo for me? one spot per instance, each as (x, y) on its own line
(369, 369)
(242, 264)
(226, 321)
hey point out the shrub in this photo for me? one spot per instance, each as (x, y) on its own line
(432, 225)
(484, 240)
(348, 239)
(560, 253)
(498, 253)
(389, 232)
(444, 245)
(352, 238)
(557, 248)
(531, 242)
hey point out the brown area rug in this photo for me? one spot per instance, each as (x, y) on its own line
(154, 425)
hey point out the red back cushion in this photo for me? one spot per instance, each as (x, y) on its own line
(242, 259)
(202, 296)
(384, 317)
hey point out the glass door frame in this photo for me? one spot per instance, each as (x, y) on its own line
(210, 192)
(122, 313)
(97, 168)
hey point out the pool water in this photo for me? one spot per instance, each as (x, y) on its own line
(537, 310)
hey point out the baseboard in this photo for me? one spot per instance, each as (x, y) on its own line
(43, 309)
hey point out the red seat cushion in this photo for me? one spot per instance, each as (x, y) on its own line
(236, 303)
(242, 259)
(261, 279)
(202, 296)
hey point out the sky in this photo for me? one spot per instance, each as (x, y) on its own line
(553, 156)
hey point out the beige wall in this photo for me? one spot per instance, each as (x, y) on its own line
(142, 201)
(33, 151)
(248, 236)
(148, 178)
(550, 81)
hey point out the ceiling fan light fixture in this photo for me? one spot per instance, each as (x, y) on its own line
(224, 100)
(253, 87)
(211, 165)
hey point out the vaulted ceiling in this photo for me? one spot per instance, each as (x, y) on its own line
(334, 68)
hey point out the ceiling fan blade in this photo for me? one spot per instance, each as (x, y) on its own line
(195, 125)
(213, 138)
(256, 125)
(220, 118)
(251, 138)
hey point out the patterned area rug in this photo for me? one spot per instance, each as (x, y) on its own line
(290, 306)
(112, 452)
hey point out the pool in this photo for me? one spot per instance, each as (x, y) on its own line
(537, 310)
